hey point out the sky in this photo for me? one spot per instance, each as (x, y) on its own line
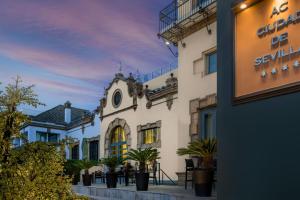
(71, 49)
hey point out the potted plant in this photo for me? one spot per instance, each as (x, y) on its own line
(86, 177)
(72, 168)
(111, 175)
(142, 157)
(203, 175)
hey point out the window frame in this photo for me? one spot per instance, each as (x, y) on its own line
(113, 98)
(140, 136)
(95, 155)
(73, 153)
(208, 56)
(47, 136)
(202, 129)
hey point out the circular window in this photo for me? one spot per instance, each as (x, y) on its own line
(117, 98)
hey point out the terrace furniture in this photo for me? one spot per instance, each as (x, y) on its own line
(189, 167)
(99, 175)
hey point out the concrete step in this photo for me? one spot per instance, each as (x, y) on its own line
(129, 193)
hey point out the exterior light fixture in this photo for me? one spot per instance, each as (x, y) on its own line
(243, 6)
(167, 43)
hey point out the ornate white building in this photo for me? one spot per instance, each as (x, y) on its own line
(170, 110)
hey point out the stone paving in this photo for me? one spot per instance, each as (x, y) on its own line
(161, 192)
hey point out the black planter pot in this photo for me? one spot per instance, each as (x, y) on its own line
(142, 180)
(111, 180)
(203, 182)
(87, 179)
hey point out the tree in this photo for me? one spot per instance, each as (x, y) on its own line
(35, 170)
(11, 119)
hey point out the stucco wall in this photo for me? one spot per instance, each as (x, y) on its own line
(142, 116)
(190, 85)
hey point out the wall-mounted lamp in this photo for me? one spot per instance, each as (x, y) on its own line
(243, 6)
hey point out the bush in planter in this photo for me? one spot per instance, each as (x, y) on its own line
(142, 157)
(86, 177)
(203, 177)
(111, 176)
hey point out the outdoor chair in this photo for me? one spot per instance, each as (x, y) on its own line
(100, 175)
(189, 167)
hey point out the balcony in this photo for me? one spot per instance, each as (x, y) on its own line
(183, 17)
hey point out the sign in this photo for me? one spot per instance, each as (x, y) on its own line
(267, 48)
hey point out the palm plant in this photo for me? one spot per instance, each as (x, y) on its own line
(204, 148)
(143, 156)
(111, 162)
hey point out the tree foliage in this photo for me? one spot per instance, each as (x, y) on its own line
(35, 170)
(204, 148)
(143, 156)
(11, 119)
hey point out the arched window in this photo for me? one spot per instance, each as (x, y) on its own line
(118, 143)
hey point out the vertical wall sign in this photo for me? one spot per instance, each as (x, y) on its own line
(267, 49)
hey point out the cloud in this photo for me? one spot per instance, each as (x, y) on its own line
(82, 40)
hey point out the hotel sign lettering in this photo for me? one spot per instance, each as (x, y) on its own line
(267, 48)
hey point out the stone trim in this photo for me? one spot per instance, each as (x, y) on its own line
(115, 123)
(113, 98)
(197, 105)
(140, 130)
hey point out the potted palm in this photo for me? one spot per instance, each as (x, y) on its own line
(111, 175)
(86, 177)
(203, 175)
(142, 157)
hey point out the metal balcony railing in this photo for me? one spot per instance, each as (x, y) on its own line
(181, 10)
(159, 72)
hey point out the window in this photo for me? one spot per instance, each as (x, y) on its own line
(47, 137)
(212, 63)
(118, 144)
(208, 123)
(41, 137)
(149, 135)
(52, 137)
(117, 98)
(75, 152)
(94, 149)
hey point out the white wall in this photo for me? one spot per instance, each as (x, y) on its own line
(192, 86)
(175, 123)
(143, 116)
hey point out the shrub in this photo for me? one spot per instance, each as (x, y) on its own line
(35, 171)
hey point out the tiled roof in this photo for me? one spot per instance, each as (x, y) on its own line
(56, 116)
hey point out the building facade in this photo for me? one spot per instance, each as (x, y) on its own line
(259, 131)
(173, 109)
(65, 121)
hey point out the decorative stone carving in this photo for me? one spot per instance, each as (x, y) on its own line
(117, 122)
(169, 100)
(135, 90)
(167, 92)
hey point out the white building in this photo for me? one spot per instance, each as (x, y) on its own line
(66, 121)
(170, 110)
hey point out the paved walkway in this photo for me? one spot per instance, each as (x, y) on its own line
(161, 192)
